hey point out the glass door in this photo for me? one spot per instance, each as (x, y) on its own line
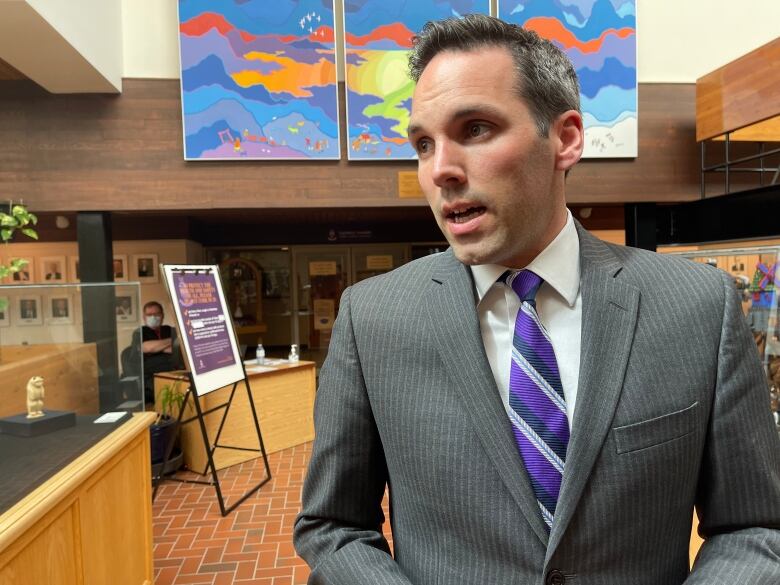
(321, 275)
(266, 313)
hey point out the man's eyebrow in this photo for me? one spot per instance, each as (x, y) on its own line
(413, 128)
(464, 112)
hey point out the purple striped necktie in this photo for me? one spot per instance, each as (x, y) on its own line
(536, 400)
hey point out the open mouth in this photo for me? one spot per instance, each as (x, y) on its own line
(466, 215)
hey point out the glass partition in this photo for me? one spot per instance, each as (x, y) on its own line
(80, 338)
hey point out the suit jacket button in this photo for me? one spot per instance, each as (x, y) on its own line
(555, 577)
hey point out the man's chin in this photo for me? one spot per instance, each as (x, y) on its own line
(471, 257)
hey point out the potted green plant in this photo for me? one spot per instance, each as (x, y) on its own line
(17, 218)
(164, 432)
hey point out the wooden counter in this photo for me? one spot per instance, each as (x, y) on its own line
(284, 401)
(91, 523)
(69, 373)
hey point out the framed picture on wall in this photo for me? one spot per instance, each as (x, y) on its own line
(73, 271)
(126, 309)
(26, 275)
(52, 269)
(145, 268)
(120, 267)
(29, 310)
(5, 312)
(59, 309)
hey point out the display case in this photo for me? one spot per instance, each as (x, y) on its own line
(72, 376)
(80, 339)
(755, 274)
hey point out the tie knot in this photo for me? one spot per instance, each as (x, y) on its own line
(524, 282)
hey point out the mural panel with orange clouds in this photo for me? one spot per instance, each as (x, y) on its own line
(599, 36)
(258, 79)
(378, 36)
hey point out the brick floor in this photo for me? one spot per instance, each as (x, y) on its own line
(194, 544)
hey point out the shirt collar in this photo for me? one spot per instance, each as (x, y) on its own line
(558, 264)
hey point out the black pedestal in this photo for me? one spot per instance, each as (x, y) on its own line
(21, 426)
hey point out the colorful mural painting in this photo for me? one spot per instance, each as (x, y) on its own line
(258, 79)
(378, 35)
(599, 36)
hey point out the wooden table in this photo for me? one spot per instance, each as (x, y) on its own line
(91, 523)
(69, 373)
(284, 400)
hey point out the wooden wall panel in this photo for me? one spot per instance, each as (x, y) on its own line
(98, 152)
(740, 93)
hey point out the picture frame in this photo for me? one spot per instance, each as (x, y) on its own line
(73, 269)
(125, 307)
(29, 310)
(59, 309)
(5, 312)
(145, 268)
(52, 269)
(26, 275)
(120, 268)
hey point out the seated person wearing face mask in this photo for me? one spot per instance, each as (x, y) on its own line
(159, 345)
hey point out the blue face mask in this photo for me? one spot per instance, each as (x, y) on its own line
(153, 321)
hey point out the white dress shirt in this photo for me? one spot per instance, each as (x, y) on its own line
(558, 303)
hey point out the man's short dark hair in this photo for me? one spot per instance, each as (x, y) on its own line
(151, 304)
(546, 80)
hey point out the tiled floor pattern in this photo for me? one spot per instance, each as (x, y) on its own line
(195, 545)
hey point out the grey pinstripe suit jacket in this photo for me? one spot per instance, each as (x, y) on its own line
(671, 412)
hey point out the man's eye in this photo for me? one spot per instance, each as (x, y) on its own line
(423, 146)
(477, 130)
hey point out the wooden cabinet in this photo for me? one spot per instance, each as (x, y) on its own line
(91, 523)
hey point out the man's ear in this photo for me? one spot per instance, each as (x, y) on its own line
(569, 136)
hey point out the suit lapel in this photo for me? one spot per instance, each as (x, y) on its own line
(609, 313)
(454, 321)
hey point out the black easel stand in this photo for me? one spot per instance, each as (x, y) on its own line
(211, 448)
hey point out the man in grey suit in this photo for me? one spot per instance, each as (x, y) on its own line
(543, 407)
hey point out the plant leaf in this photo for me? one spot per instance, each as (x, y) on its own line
(30, 233)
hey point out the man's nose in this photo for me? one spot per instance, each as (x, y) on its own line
(448, 169)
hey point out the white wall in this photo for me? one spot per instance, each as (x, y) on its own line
(679, 40)
(150, 38)
(91, 27)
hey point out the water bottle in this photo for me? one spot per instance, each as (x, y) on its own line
(260, 355)
(293, 357)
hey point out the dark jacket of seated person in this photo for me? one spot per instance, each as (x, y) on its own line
(159, 345)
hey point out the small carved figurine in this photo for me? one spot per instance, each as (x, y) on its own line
(35, 397)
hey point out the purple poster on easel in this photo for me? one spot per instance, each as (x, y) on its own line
(206, 325)
(208, 338)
